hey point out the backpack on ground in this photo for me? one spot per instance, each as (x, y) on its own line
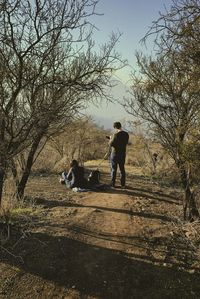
(94, 177)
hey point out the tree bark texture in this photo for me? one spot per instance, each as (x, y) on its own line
(190, 211)
(27, 170)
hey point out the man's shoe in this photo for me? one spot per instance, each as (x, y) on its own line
(123, 187)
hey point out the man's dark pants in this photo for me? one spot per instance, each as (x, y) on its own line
(116, 160)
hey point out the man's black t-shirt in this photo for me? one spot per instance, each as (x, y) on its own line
(119, 142)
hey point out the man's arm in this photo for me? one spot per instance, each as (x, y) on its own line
(113, 140)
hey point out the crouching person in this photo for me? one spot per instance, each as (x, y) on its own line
(75, 177)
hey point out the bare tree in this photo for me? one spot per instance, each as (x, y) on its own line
(47, 59)
(57, 109)
(164, 96)
(168, 93)
(81, 140)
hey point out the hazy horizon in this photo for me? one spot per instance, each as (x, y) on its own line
(133, 19)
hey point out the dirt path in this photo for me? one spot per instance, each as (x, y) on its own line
(120, 244)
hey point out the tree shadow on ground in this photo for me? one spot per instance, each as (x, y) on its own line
(64, 203)
(134, 182)
(97, 271)
(174, 251)
(140, 192)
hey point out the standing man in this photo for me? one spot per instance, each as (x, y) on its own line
(118, 143)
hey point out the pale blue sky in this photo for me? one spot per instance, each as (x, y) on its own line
(133, 19)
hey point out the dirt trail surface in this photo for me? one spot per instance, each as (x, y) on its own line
(120, 244)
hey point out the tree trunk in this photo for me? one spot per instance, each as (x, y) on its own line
(27, 170)
(14, 173)
(2, 175)
(190, 211)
